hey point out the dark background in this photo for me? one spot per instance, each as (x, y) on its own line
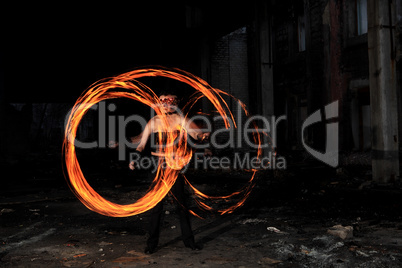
(52, 53)
(287, 57)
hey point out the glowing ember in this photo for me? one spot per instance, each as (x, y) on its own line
(176, 156)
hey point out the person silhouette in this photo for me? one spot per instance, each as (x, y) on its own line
(174, 118)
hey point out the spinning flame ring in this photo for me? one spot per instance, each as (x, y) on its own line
(126, 86)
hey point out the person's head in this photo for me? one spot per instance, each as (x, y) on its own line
(169, 100)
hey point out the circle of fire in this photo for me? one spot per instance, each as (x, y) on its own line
(126, 86)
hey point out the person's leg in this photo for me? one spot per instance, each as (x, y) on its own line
(154, 224)
(182, 210)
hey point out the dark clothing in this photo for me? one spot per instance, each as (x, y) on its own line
(155, 218)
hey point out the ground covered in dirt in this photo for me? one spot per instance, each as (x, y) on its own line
(288, 220)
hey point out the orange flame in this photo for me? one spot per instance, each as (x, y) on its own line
(176, 156)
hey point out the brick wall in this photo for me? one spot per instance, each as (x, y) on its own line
(229, 71)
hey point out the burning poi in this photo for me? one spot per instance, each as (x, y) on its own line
(126, 86)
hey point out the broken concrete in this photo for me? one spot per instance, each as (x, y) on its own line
(344, 232)
(284, 223)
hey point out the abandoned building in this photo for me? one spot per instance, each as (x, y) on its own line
(287, 58)
(315, 66)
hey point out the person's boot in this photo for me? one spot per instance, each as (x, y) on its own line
(150, 249)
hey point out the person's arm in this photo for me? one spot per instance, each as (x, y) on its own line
(144, 136)
(140, 140)
(143, 141)
(195, 132)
